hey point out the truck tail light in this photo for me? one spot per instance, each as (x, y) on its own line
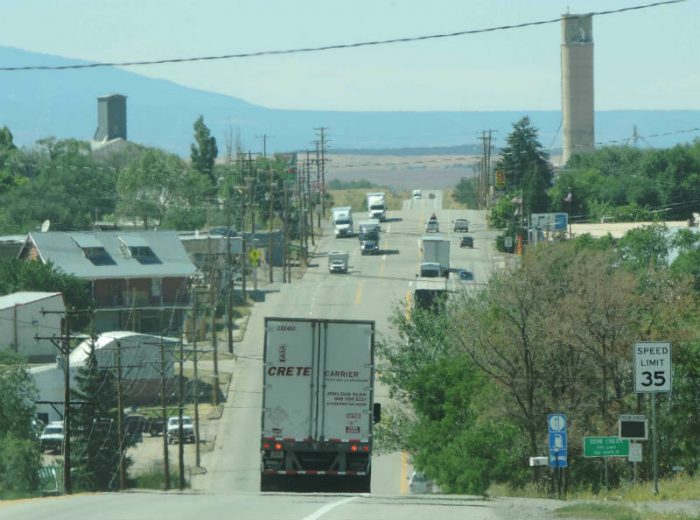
(266, 445)
(278, 446)
(365, 448)
(353, 448)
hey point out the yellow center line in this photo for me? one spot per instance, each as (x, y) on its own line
(404, 473)
(358, 293)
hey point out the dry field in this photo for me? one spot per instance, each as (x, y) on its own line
(402, 172)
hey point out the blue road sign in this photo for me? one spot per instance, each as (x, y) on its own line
(556, 422)
(557, 449)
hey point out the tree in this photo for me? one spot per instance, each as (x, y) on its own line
(465, 192)
(158, 189)
(204, 150)
(523, 156)
(24, 275)
(95, 435)
(73, 188)
(20, 458)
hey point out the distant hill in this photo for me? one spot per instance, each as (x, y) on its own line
(37, 104)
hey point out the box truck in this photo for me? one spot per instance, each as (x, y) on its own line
(318, 405)
(342, 221)
(338, 262)
(436, 250)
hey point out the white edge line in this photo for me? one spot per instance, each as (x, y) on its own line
(322, 511)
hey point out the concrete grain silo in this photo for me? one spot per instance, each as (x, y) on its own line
(577, 85)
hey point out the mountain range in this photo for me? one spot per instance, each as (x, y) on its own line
(160, 113)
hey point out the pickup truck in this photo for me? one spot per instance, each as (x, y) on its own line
(174, 429)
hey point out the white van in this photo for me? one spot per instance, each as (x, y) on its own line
(416, 194)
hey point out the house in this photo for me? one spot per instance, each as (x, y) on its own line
(141, 370)
(139, 280)
(28, 320)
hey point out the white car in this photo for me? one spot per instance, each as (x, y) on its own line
(418, 484)
(416, 194)
(174, 429)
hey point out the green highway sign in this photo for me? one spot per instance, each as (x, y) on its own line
(605, 447)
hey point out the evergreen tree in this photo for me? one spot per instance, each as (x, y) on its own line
(204, 150)
(526, 166)
(95, 434)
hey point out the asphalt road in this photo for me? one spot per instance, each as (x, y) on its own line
(229, 483)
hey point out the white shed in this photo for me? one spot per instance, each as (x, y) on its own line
(141, 369)
(26, 315)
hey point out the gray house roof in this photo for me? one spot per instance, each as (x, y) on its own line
(99, 255)
(24, 297)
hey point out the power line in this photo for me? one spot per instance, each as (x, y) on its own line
(301, 50)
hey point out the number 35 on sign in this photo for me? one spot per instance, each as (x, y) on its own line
(652, 366)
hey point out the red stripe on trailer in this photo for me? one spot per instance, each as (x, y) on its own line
(335, 440)
(314, 472)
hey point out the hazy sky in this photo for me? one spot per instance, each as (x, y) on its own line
(648, 59)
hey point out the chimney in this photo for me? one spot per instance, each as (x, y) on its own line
(111, 118)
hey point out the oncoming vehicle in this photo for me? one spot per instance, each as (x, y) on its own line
(461, 224)
(416, 194)
(174, 429)
(432, 226)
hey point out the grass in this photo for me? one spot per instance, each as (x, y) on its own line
(155, 479)
(595, 511)
(357, 199)
(681, 487)
(449, 203)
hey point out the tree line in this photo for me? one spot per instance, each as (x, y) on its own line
(617, 183)
(73, 187)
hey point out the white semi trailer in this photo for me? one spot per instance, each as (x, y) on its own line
(318, 405)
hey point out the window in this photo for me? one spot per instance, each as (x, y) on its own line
(156, 287)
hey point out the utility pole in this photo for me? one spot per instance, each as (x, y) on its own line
(67, 485)
(120, 418)
(180, 404)
(271, 210)
(62, 343)
(215, 387)
(309, 198)
(229, 280)
(318, 181)
(213, 272)
(322, 141)
(302, 216)
(164, 409)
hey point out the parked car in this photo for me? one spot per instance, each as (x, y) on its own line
(461, 224)
(174, 429)
(419, 484)
(466, 276)
(466, 241)
(51, 438)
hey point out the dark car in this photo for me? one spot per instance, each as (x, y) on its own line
(466, 276)
(466, 242)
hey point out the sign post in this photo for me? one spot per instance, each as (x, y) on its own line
(556, 425)
(652, 374)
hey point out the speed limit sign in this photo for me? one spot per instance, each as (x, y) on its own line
(652, 367)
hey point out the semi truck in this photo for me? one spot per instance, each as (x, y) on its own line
(338, 262)
(368, 233)
(436, 250)
(376, 205)
(342, 221)
(318, 405)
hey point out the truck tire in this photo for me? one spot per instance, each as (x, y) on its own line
(271, 483)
